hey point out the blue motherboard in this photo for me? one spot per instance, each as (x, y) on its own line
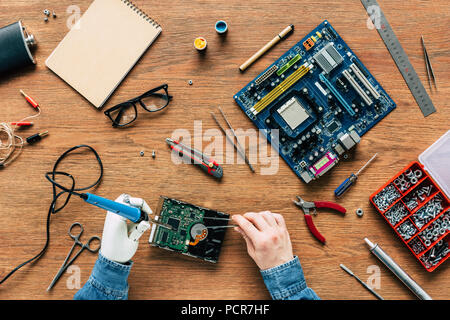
(315, 102)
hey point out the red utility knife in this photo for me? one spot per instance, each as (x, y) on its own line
(197, 158)
(307, 206)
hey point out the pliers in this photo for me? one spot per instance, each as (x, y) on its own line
(306, 206)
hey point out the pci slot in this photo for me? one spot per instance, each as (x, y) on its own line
(337, 94)
(365, 81)
(357, 87)
(282, 87)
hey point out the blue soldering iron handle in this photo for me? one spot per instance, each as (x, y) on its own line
(345, 185)
(131, 213)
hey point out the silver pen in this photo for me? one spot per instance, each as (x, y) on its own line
(397, 270)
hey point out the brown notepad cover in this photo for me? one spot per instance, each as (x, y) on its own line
(102, 47)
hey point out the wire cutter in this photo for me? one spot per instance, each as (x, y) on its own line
(307, 206)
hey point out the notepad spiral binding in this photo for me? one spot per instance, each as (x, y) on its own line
(141, 13)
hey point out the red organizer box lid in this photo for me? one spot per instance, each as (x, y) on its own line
(436, 160)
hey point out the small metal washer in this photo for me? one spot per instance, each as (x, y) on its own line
(359, 212)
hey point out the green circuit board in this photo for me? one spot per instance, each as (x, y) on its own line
(182, 218)
(188, 222)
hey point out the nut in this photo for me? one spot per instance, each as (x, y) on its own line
(359, 212)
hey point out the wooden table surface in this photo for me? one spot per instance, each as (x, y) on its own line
(25, 194)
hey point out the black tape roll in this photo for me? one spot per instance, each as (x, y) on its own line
(14, 51)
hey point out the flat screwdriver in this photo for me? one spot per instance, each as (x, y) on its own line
(350, 181)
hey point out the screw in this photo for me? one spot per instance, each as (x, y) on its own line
(54, 14)
(46, 19)
(153, 154)
(142, 153)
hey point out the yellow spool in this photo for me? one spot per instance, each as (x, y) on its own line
(200, 43)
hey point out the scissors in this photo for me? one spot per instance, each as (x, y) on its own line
(83, 246)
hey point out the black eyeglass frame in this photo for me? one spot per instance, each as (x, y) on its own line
(132, 102)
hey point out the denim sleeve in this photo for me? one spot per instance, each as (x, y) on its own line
(108, 281)
(287, 282)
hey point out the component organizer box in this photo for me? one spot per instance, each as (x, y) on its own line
(415, 203)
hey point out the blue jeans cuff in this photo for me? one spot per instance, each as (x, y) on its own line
(285, 280)
(110, 277)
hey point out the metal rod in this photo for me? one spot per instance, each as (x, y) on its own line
(360, 281)
(367, 163)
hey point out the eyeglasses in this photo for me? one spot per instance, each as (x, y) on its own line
(153, 100)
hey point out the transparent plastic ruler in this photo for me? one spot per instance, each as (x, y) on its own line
(399, 55)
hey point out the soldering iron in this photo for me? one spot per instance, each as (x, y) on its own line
(131, 213)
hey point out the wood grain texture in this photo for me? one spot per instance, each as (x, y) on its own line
(158, 274)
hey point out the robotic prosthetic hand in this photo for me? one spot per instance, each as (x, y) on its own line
(120, 239)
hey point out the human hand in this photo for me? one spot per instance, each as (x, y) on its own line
(267, 238)
(120, 239)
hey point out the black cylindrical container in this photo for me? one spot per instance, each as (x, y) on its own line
(15, 44)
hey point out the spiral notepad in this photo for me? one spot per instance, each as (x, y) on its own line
(102, 47)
